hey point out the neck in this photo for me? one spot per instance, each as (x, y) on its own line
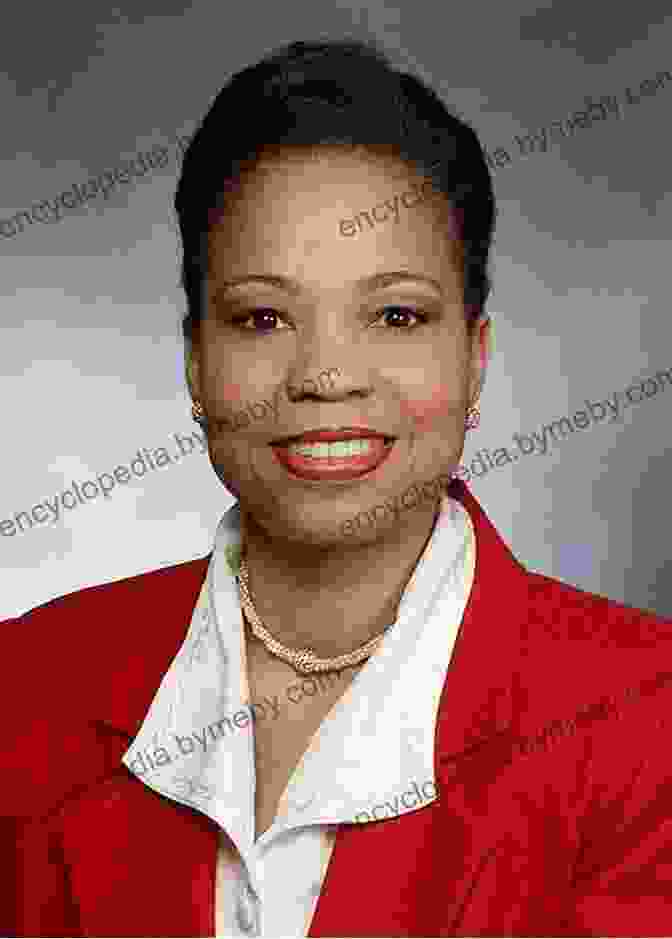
(333, 599)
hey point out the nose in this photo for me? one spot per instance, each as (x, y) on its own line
(331, 384)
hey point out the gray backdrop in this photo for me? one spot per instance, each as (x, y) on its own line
(91, 360)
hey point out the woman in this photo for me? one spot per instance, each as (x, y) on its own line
(360, 715)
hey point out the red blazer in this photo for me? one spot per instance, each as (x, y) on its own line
(552, 759)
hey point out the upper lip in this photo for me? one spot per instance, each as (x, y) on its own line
(329, 434)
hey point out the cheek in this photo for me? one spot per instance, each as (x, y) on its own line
(425, 412)
(229, 393)
(225, 405)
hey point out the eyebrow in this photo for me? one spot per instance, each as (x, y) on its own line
(371, 282)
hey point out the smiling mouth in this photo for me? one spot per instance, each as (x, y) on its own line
(334, 459)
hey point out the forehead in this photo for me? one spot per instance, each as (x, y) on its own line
(284, 216)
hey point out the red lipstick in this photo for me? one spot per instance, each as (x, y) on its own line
(326, 465)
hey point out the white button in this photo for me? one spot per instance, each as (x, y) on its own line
(246, 912)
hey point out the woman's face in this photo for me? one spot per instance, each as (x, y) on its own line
(327, 346)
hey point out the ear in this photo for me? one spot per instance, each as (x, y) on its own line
(480, 352)
(192, 371)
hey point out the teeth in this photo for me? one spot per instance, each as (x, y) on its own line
(339, 448)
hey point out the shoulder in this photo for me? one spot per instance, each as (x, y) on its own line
(553, 662)
(101, 626)
(562, 610)
(136, 606)
(95, 655)
(576, 647)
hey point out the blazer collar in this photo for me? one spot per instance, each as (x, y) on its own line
(477, 704)
(476, 701)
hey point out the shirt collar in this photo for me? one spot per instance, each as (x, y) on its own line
(195, 745)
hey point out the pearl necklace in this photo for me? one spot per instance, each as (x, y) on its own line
(303, 660)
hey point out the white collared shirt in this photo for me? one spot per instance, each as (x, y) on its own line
(196, 744)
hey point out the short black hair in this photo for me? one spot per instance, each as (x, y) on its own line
(344, 93)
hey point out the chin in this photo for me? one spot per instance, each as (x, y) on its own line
(281, 520)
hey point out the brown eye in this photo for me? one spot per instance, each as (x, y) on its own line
(401, 312)
(259, 313)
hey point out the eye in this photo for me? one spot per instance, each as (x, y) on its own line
(270, 315)
(405, 311)
(262, 311)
